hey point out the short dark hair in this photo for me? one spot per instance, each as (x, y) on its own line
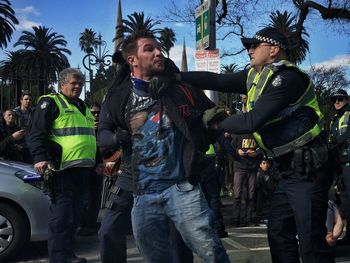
(25, 93)
(129, 46)
(95, 104)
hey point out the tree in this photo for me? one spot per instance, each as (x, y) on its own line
(44, 53)
(7, 22)
(13, 73)
(88, 40)
(327, 80)
(231, 100)
(167, 39)
(284, 22)
(137, 22)
(235, 17)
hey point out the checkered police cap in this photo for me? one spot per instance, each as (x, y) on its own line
(339, 93)
(269, 35)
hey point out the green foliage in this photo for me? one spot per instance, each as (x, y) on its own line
(100, 84)
(137, 22)
(231, 101)
(285, 22)
(7, 22)
(36, 66)
(88, 40)
(327, 80)
(167, 39)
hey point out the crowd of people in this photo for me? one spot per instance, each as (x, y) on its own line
(179, 151)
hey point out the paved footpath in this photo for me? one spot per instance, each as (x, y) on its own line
(244, 245)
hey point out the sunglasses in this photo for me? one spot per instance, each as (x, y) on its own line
(95, 112)
(339, 99)
(255, 46)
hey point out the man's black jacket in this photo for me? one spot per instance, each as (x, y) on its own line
(183, 104)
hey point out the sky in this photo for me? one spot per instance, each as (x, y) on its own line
(70, 17)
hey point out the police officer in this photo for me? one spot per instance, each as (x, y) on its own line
(340, 135)
(62, 139)
(284, 116)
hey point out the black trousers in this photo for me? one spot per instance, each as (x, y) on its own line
(70, 193)
(91, 210)
(345, 198)
(115, 226)
(209, 182)
(297, 216)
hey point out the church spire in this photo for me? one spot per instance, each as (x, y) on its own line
(118, 33)
(184, 59)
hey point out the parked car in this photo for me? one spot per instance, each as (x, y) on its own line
(23, 208)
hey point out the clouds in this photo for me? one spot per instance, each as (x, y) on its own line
(23, 14)
(337, 61)
(176, 55)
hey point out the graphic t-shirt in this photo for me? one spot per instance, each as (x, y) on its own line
(156, 144)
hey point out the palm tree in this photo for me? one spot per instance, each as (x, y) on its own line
(231, 68)
(232, 101)
(7, 22)
(167, 39)
(137, 22)
(14, 72)
(45, 53)
(298, 47)
(88, 40)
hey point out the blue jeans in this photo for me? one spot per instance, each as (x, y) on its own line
(185, 205)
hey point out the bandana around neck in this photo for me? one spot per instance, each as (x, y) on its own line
(140, 86)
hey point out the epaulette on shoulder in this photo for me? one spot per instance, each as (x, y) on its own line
(280, 65)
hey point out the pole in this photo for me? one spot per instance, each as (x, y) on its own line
(213, 95)
(212, 32)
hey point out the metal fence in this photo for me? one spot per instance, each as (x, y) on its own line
(11, 89)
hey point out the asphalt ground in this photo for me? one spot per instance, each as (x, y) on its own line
(244, 245)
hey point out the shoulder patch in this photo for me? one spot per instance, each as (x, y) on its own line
(44, 104)
(277, 81)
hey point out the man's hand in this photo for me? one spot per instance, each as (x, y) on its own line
(159, 84)
(213, 116)
(122, 137)
(18, 135)
(40, 167)
(330, 239)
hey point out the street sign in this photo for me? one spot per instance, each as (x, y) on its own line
(207, 60)
(202, 26)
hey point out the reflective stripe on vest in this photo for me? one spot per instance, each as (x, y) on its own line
(256, 82)
(343, 122)
(75, 133)
(211, 150)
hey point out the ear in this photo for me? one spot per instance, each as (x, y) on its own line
(274, 50)
(132, 60)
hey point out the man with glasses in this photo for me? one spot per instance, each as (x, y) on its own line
(285, 119)
(62, 139)
(340, 132)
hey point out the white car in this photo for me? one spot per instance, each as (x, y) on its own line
(23, 208)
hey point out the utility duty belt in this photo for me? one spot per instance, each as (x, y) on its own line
(307, 160)
(310, 158)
